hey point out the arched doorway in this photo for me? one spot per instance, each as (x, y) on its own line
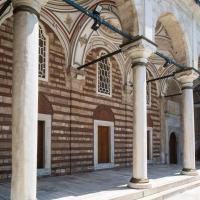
(173, 149)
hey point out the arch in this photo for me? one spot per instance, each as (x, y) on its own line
(54, 23)
(8, 13)
(178, 35)
(87, 39)
(59, 30)
(172, 87)
(173, 154)
(44, 106)
(166, 84)
(100, 42)
(128, 10)
(152, 71)
(103, 113)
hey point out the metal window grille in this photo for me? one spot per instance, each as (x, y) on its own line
(104, 76)
(42, 55)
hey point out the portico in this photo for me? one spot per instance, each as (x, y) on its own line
(76, 136)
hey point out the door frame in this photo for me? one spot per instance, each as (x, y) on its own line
(111, 128)
(47, 152)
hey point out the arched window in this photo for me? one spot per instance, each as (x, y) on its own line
(104, 76)
(43, 54)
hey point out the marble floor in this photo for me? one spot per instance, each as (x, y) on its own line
(101, 185)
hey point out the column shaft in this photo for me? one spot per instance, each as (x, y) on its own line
(25, 106)
(189, 133)
(140, 124)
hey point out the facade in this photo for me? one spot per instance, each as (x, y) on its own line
(105, 115)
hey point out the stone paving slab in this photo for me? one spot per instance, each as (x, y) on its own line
(101, 185)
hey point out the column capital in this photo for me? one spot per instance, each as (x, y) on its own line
(140, 49)
(31, 4)
(186, 78)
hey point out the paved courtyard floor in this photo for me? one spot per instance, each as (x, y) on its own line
(98, 185)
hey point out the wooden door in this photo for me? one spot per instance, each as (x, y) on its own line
(40, 147)
(103, 144)
(173, 149)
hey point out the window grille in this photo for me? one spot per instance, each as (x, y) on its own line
(104, 77)
(43, 55)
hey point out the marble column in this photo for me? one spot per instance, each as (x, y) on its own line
(139, 51)
(186, 79)
(25, 99)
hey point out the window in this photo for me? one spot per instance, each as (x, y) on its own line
(104, 76)
(43, 55)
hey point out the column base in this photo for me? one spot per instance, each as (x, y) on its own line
(139, 184)
(189, 172)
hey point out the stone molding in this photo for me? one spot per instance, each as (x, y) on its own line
(186, 78)
(139, 50)
(34, 4)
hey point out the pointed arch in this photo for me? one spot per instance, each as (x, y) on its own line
(59, 30)
(103, 113)
(178, 36)
(128, 13)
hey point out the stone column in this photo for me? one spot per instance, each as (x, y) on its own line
(186, 79)
(25, 99)
(139, 51)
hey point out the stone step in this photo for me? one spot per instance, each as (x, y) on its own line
(173, 191)
(163, 190)
(168, 186)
